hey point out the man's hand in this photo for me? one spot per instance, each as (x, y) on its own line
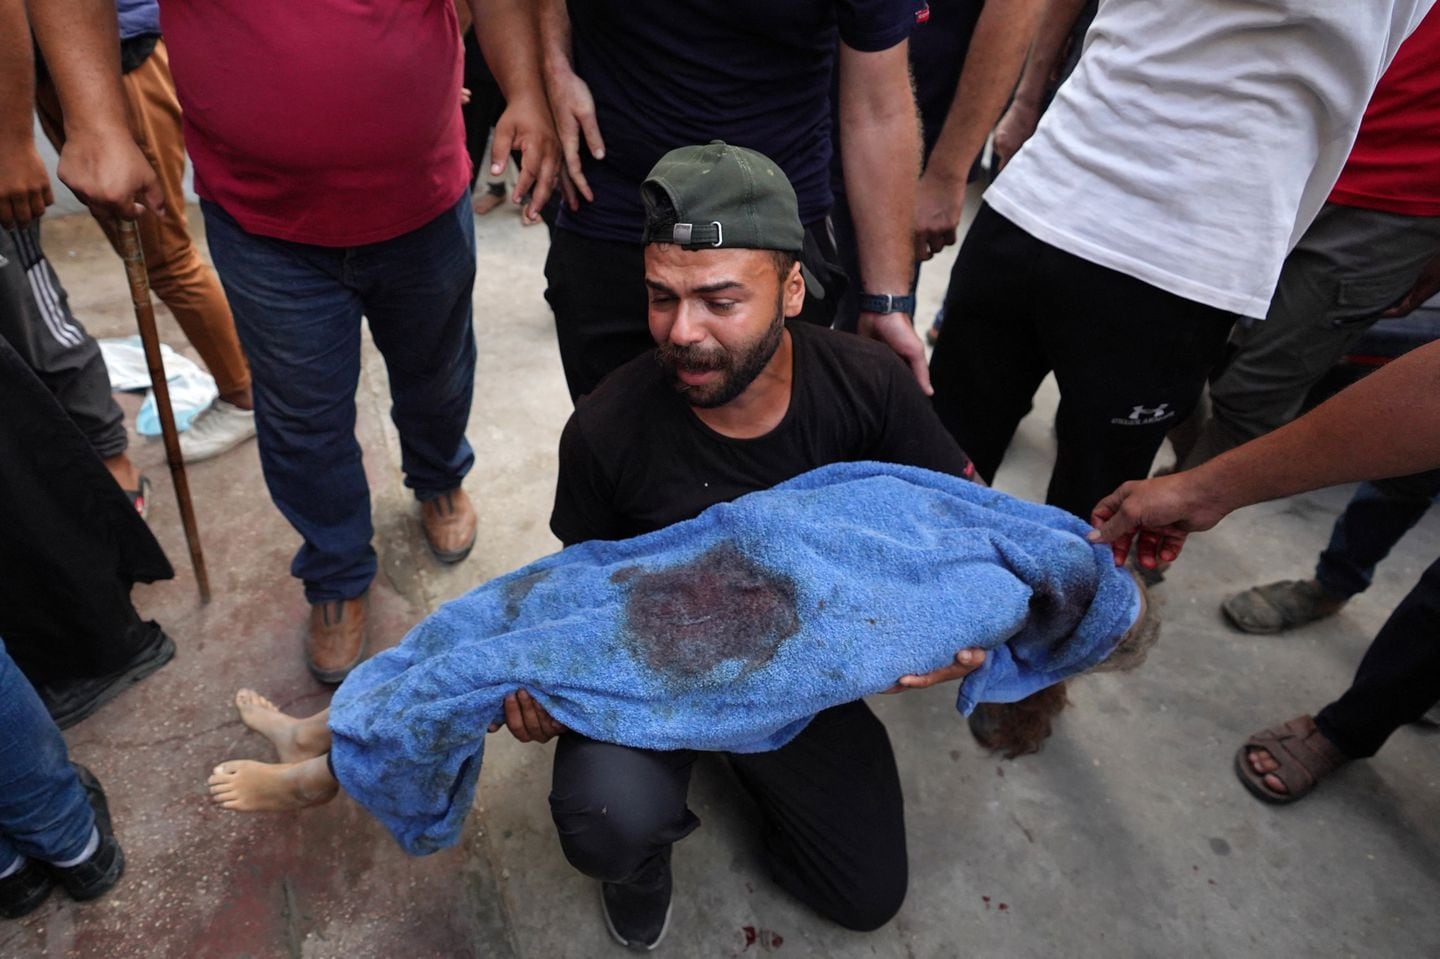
(525, 126)
(1155, 515)
(966, 662)
(527, 720)
(1427, 284)
(24, 185)
(574, 110)
(940, 201)
(1016, 125)
(897, 331)
(110, 175)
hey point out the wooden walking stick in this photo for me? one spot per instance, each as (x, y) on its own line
(134, 259)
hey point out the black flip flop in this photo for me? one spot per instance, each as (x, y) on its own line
(140, 498)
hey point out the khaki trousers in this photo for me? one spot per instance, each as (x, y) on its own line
(179, 277)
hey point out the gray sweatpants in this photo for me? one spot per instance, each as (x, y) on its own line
(35, 318)
(1348, 267)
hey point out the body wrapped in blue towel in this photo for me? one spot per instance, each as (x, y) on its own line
(730, 630)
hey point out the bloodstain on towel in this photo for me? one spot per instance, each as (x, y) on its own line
(519, 588)
(721, 605)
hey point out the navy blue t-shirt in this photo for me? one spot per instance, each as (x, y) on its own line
(754, 73)
(937, 55)
(937, 52)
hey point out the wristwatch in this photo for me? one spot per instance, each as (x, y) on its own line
(887, 303)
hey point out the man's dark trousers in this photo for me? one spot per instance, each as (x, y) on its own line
(830, 801)
(1398, 679)
(1130, 358)
(1374, 520)
(35, 318)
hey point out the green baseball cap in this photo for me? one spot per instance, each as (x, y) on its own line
(724, 196)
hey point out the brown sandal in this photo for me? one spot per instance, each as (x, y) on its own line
(1303, 754)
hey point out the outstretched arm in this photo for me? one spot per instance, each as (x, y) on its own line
(993, 61)
(100, 160)
(1388, 424)
(880, 149)
(510, 40)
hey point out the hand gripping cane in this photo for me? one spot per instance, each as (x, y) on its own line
(134, 259)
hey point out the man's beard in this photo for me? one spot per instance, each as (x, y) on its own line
(738, 370)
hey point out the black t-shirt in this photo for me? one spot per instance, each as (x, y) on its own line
(754, 73)
(635, 457)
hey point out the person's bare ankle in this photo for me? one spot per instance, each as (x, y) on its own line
(125, 472)
(1326, 602)
(242, 399)
(312, 736)
(295, 739)
(313, 782)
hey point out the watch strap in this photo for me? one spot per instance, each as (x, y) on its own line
(887, 303)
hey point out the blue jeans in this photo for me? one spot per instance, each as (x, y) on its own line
(44, 813)
(1374, 520)
(298, 309)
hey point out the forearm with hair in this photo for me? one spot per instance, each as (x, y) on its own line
(554, 35)
(992, 64)
(81, 43)
(17, 74)
(1054, 27)
(880, 150)
(510, 40)
(1388, 424)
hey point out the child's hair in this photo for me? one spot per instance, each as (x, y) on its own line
(1019, 728)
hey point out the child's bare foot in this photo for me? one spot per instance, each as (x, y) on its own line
(246, 786)
(294, 739)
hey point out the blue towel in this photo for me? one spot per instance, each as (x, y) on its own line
(729, 631)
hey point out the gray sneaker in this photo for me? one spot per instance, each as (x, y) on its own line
(221, 426)
(1276, 607)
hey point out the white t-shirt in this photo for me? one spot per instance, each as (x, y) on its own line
(1197, 139)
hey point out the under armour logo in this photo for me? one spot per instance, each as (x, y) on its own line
(1141, 415)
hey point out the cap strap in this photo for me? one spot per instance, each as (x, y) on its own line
(698, 234)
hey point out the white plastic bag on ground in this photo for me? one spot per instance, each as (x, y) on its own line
(192, 390)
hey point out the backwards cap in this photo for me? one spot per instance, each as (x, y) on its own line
(724, 196)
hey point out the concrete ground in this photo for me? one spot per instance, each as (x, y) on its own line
(1127, 836)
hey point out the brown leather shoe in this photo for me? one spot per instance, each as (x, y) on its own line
(450, 525)
(336, 642)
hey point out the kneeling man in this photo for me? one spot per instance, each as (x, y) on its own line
(734, 400)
